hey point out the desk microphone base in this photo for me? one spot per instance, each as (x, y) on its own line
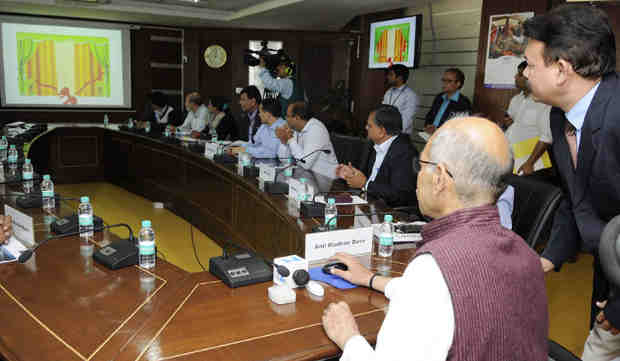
(117, 255)
(242, 269)
(312, 210)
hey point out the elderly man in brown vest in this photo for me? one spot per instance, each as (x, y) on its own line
(474, 290)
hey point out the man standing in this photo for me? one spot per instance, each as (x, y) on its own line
(197, 115)
(389, 174)
(249, 100)
(283, 84)
(528, 125)
(474, 290)
(449, 103)
(305, 135)
(571, 56)
(401, 96)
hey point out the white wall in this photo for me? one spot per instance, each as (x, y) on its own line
(456, 26)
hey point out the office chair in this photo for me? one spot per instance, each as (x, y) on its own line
(351, 149)
(559, 353)
(534, 207)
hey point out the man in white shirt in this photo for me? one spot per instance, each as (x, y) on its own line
(474, 290)
(529, 132)
(401, 96)
(305, 135)
(197, 115)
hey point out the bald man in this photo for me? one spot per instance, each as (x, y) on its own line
(197, 115)
(474, 290)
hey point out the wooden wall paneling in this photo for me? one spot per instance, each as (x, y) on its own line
(216, 82)
(76, 155)
(168, 52)
(613, 12)
(116, 152)
(167, 78)
(494, 102)
(315, 74)
(191, 49)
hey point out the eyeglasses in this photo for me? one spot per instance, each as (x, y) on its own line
(418, 166)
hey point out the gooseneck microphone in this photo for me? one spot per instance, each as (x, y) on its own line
(303, 159)
(25, 255)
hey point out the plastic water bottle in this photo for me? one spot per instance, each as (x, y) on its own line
(331, 214)
(213, 134)
(146, 246)
(47, 192)
(12, 159)
(147, 128)
(167, 131)
(288, 172)
(85, 216)
(130, 123)
(386, 237)
(106, 120)
(27, 175)
(4, 148)
(304, 195)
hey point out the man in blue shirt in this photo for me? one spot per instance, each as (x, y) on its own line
(449, 103)
(266, 143)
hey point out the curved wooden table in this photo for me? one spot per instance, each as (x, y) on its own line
(63, 306)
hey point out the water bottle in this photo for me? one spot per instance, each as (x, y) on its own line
(106, 120)
(130, 123)
(331, 214)
(213, 134)
(85, 216)
(4, 147)
(304, 195)
(146, 246)
(386, 237)
(27, 175)
(288, 172)
(167, 131)
(147, 128)
(2, 178)
(12, 159)
(47, 193)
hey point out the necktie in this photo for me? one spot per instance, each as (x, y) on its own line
(571, 139)
(255, 124)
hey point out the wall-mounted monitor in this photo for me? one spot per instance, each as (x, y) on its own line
(51, 63)
(395, 41)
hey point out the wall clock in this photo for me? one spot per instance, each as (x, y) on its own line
(215, 56)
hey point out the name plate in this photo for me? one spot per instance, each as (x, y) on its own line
(211, 150)
(322, 245)
(267, 173)
(295, 187)
(23, 226)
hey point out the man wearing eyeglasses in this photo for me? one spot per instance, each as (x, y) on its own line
(474, 290)
(450, 102)
(389, 174)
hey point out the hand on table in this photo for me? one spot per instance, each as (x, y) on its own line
(356, 273)
(6, 229)
(343, 170)
(356, 179)
(339, 323)
(546, 264)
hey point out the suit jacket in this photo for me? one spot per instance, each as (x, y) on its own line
(395, 182)
(462, 106)
(243, 126)
(226, 129)
(592, 190)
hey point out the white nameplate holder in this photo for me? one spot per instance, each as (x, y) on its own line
(23, 226)
(211, 150)
(323, 245)
(267, 173)
(295, 187)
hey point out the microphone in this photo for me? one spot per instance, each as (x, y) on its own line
(282, 188)
(303, 159)
(25, 255)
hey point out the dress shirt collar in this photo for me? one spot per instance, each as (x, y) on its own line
(400, 88)
(577, 114)
(472, 217)
(453, 97)
(385, 146)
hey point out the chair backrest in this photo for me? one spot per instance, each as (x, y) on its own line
(534, 207)
(559, 353)
(351, 149)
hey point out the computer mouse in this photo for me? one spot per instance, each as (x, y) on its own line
(328, 267)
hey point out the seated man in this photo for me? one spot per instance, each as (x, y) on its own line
(389, 174)
(474, 290)
(197, 115)
(249, 100)
(449, 103)
(505, 206)
(307, 135)
(223, 123)
(266, 144)
(164, 114)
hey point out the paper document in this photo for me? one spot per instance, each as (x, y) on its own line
(10, 251)
(357, 200)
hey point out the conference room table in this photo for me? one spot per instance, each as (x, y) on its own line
(61, 305)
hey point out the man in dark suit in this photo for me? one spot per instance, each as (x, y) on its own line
(449, 103)
(389, 174)
(249, 122)
(571, 57)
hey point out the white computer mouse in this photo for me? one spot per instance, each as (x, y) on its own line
(315, 288)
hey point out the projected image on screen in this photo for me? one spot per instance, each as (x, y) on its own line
(392, 42)
(63, 66)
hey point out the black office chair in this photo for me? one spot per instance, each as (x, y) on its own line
(559, 353)
(351, 149)
(534, 207)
